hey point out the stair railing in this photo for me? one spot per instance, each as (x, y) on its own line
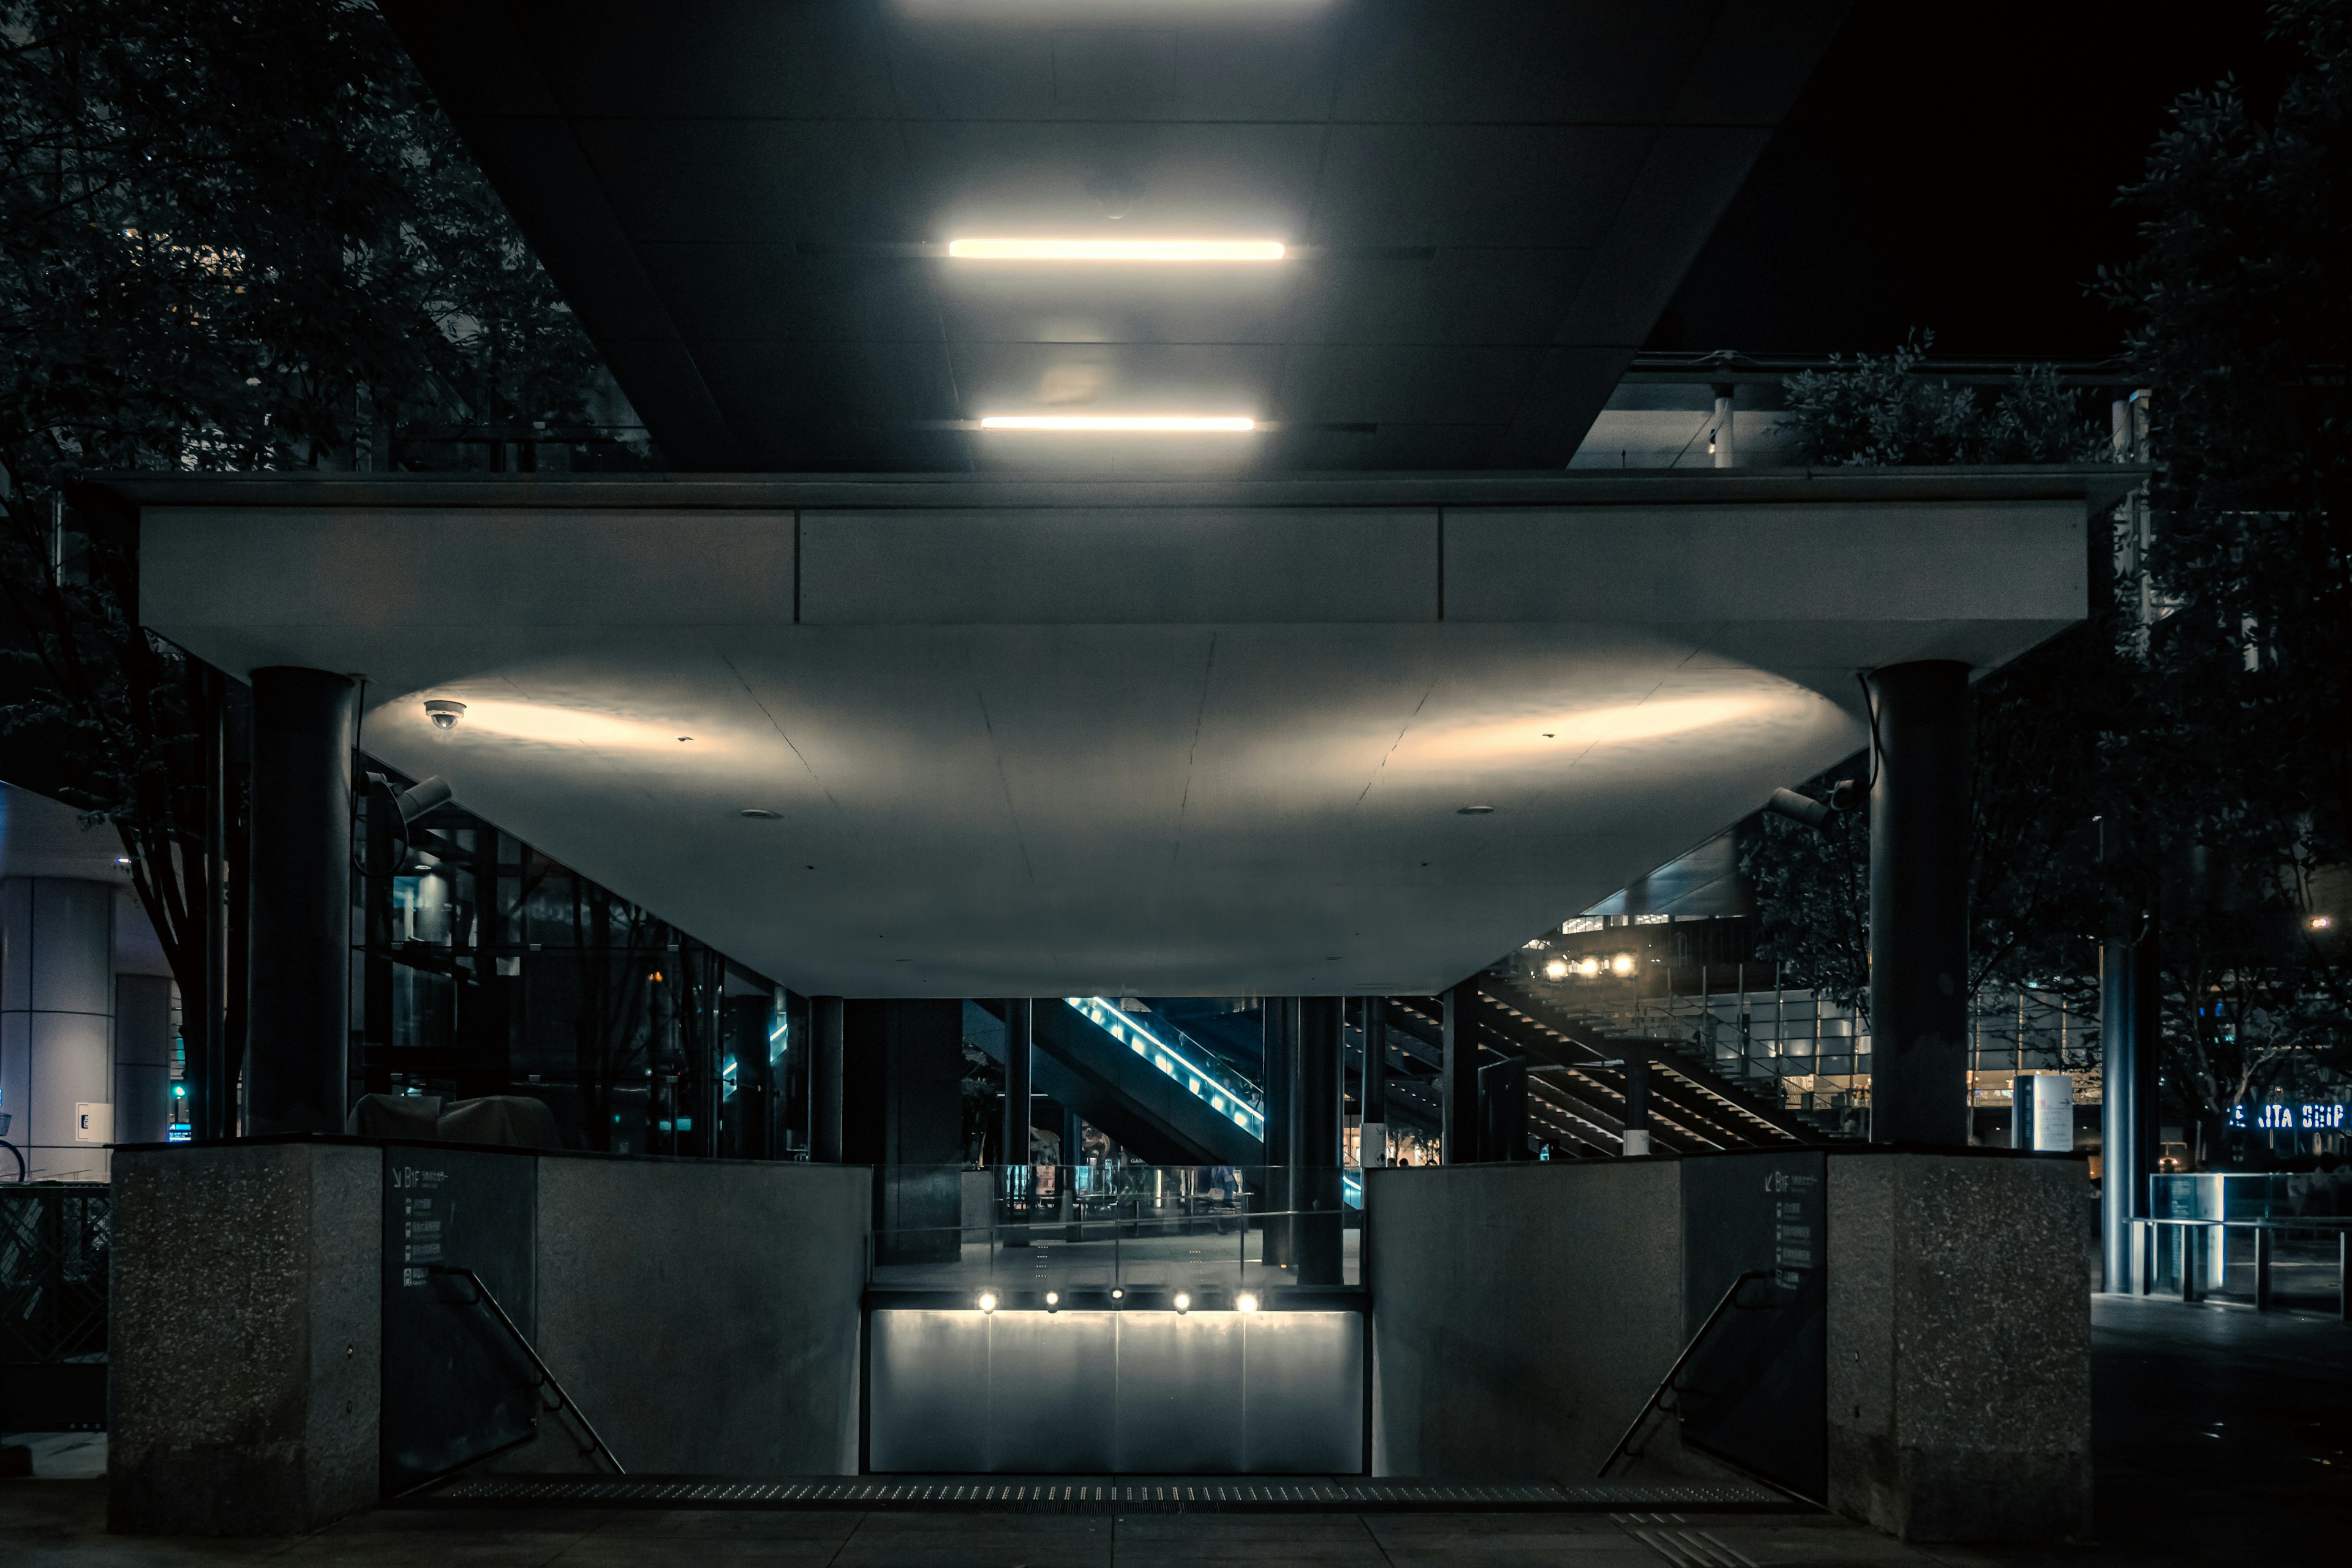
(555, 1401)
(1666, 1384)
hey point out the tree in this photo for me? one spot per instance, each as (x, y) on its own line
(2241, 324)
(230, 237)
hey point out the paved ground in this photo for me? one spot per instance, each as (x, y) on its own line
(2222, 1437)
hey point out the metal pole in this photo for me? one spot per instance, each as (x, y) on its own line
(1013, 1155)
(1318, 1246)
(2262, 1268)
(1372, 1135)
(1458, 1084)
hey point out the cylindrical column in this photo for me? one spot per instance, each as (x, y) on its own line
(56, 1025)
(1458, 1080)
(1373, 1136)
(824, 1078)
(1726, 395)
(1637, 1106)
(2127, 1112)
(1919, 904)
(296, 1075)
(1280, 1015)
(143, 1059)
(1317, 1242)
(1013, 1146)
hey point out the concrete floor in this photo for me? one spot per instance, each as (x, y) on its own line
(2222, 1437)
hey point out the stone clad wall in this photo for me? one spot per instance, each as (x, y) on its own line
(1959, 1368)
(244, 1361)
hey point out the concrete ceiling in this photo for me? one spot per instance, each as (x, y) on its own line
(1489, 203)
(1032, 738)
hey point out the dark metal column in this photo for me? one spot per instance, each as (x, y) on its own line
(2129, 1132)
(1280, 1015)
(1014, 1176)
(1317, 1241)
(1919, 904)
(1372, 1138)
(1459, 1078)
(1637, 1106)
(824, 1078)
(297, 1077)
(1503, 1110)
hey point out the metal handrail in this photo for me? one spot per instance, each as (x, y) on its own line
(562, 1400)
(1658, 1395)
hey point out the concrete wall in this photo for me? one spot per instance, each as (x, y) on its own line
(244, 1371)
(1521, 1313)
(704, 1315)
(1960, 1331)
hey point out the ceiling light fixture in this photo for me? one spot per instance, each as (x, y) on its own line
(1167, 423)
(1116, 249)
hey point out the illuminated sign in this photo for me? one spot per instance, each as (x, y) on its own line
(2289, 1118)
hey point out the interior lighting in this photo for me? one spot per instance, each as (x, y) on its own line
(1588, 967)
(1555, 968)
(1183, 1302)
(1116, 249)
(1246, 1301)
(1053, 1300)
(2322, 922)
(987, 1302)
(1163, 424)
(1119, 1292)
(1622, 965)
(443, 714)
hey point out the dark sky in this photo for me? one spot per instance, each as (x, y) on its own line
(1955, 167)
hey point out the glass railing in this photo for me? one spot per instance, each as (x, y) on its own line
(1208, 1232)
(1184, 1058)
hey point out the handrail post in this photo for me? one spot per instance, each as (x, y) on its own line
(2262, 1268)
(2343, 1275)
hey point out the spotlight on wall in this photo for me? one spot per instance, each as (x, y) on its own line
(987, 1302)
(1622, 965)
(1555, 969)
(1117, 1294)
(445, 715)
(1588, 967)
(1246, 1301)
(1053, 1300)
(1183, 1302)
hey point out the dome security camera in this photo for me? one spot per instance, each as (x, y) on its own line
(443, 714)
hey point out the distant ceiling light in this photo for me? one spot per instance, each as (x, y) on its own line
(445, 715)
(988, 1301)
(1173, 424)
(1116, 249)
(1555, 968)
(1473, 811)
(1622, 965)
(2322, 922)
(759, 813)
(1588, 967)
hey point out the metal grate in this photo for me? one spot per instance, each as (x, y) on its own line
(54, 1238)
(1076, 1494)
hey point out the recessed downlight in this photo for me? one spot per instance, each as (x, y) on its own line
(1016, 249)
(1174, 423)
(1473, 811)
(759, 814)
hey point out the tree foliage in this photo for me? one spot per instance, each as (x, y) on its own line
(231, 238)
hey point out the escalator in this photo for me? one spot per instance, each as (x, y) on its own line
(1163, 1095)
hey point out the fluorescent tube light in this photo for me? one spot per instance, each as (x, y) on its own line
(1167, 422)
(1116, 249)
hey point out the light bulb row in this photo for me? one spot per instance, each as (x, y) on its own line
(988, 1301)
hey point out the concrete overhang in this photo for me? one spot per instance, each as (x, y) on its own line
(1042, 737)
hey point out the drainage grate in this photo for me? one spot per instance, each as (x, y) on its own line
(1050, 1494)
